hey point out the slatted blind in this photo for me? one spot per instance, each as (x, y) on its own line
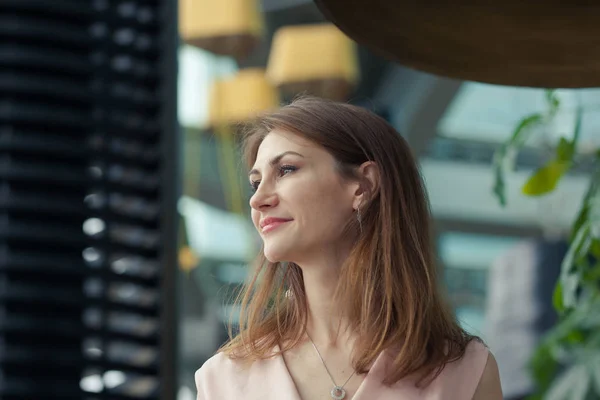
(87, 199)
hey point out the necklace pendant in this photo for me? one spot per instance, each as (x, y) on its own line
(338, 393)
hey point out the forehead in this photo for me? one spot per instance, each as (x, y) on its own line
(279, 141)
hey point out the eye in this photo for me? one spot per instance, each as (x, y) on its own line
(286, 169)
(283, 170)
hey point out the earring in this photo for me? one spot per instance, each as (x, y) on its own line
(359, 218)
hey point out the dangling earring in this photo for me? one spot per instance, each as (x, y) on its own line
(359, 218)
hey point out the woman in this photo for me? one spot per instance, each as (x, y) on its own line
(344, 303)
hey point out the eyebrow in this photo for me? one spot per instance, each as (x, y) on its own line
(275, 160)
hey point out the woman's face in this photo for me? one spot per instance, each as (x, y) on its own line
(301, 203)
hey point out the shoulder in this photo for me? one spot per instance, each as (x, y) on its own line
(473, 361)
(215, 372)
(221, 376)
(218, 362)
(489, 384)
(462, 376)
(206, 376)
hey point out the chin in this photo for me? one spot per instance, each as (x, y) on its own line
(275, 253)
(273, 256)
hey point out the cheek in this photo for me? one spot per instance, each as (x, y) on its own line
(330, 205)
(255, 217)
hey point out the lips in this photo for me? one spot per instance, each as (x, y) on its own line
(268, 224)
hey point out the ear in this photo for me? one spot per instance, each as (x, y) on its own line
(368, 183)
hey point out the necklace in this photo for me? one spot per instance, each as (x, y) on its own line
(338, 392)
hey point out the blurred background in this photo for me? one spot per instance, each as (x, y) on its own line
(125, 224)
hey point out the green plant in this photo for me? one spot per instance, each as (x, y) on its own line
(566, 364)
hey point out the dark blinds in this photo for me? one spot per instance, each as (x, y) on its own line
(87, 199)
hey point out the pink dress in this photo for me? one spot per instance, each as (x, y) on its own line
(222, 378)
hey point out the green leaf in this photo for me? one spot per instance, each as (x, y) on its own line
(594, 341)
(595, 370)
(568, 323)
(498, 167)
(574, 384)
(593, 274)
(565, 150)
(590, 209)
(595, 231)
(592, 320)
(575, 337)
(545, 179)
(557, 298)
(577, 129)
(552, 100)
(543, 366)
(594, 216)
(569, 277)
(521, 132)
(582, 218)
(578, 249)
(570, 284)
(515, 142)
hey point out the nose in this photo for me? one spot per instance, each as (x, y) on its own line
(263, 198)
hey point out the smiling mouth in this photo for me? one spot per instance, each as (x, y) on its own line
(273, 225)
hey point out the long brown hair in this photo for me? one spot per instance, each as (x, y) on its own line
(388, 285)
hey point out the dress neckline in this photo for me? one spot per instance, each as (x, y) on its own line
(373, 372)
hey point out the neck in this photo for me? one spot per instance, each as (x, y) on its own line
(326, 325)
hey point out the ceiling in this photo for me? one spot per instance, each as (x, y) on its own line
(454, 126)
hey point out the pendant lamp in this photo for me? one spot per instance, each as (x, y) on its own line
(317, 59)
(236, 100)
(553, 43)
(225, 27)
(240, 98)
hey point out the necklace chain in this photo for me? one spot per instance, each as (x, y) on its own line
(336, 387)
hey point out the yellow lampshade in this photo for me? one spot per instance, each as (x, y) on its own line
(226, 27)
(318, 59)
(188, 260)
(241, 97)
